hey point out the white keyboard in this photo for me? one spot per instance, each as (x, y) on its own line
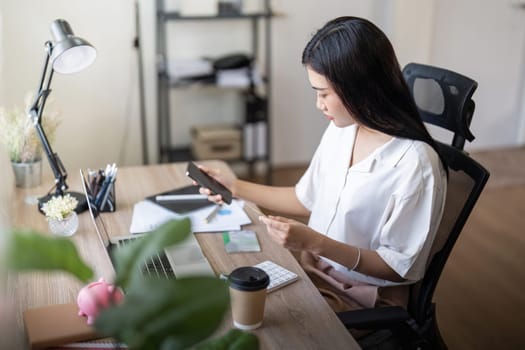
(279, 276)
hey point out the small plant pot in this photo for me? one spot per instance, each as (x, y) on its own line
(65, 227)
(28, 174)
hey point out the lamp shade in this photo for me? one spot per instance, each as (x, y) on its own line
(70, 53)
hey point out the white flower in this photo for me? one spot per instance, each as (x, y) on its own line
(18, 133)
(59, 207)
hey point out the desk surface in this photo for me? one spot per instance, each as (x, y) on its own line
(296, 316)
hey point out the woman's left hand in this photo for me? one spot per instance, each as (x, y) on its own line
(292, 234)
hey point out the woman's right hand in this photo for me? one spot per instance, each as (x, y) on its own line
(227, 179)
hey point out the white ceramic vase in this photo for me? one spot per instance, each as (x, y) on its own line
(65, 227)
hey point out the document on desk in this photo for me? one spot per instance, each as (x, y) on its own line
(147, 216)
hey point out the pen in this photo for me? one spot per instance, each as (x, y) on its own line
(109, 177)
(109, 187)
(100, 193)
(97, 182)
(91, 180)
(213, 213)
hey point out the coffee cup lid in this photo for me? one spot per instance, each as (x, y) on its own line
(249, 278)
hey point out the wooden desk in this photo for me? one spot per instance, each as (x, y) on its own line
(296, 316)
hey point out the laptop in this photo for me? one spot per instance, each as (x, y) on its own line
(183, 259)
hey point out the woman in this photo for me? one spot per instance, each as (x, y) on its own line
(375, 187)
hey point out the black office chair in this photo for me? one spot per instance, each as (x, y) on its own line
(416, 327)
(443, 98)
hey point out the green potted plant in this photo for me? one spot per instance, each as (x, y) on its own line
(19, 136)
(156, 313)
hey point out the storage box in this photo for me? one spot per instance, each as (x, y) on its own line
(216, 142)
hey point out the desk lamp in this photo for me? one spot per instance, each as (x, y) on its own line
(67, 54)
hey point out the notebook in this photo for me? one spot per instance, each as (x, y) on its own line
(183, 259)
(56, 324)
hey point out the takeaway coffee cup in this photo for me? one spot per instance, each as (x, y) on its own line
(248, 296)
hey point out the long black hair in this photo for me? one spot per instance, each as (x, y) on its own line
(359, 61)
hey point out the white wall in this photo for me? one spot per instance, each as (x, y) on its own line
(100, 107)
(412, 29)
(485, 40)
(98, 104)
(297, 125)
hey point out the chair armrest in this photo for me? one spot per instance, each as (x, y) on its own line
(375, 318)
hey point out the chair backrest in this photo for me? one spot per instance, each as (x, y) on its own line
(467, 178)
(444, 98)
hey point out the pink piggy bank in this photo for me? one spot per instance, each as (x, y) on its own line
(97, 296)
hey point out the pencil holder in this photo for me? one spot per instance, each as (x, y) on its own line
(110, 204)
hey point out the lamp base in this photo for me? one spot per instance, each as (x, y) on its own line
(80, 197)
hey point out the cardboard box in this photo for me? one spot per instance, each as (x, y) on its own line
(216, 142)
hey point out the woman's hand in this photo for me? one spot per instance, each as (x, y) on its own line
(228, 180)
(292, 234)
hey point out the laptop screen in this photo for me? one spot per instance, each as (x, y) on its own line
(95, 217)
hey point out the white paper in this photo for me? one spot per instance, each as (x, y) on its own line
(147, 216)
(238, 77)
(230, 217)
(199, 8)
(188, 68)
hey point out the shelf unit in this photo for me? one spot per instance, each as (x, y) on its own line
(166, 151)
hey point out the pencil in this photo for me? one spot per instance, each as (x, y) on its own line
(213, 213)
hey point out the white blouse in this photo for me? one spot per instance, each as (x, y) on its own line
(390, 202)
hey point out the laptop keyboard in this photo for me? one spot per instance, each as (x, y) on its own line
(156, 266)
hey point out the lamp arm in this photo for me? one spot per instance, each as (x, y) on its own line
(35, 113)
(56, 164)
(42, 92)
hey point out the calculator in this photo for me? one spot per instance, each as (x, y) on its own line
(279, 276)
